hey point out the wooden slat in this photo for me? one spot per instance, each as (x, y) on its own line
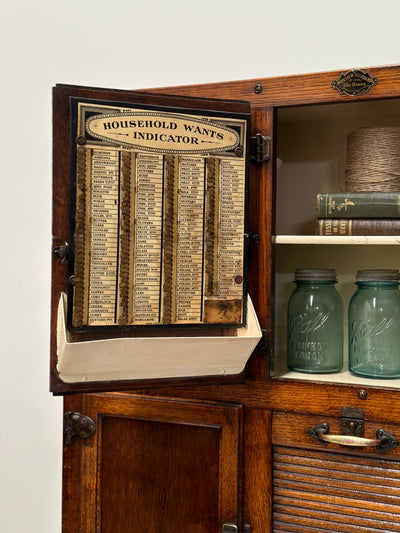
(326, 525)
(334, 492)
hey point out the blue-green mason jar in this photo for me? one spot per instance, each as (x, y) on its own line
(374, 324)
(315, 322)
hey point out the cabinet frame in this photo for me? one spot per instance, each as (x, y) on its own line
(261, 395)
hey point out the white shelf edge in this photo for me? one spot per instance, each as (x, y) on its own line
(336, 239)
(344, 377)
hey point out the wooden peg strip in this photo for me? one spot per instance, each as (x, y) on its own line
(82, 238)
(170, 238)
(212, 227)
(127, 235)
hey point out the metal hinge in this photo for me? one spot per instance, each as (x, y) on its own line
(263, 345)
(260, 148)
(77, 425)
(252, 240)
(62, 253)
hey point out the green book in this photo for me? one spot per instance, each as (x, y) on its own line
(358, 205)
(358, 226)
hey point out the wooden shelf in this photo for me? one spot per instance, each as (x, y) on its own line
(336, 239)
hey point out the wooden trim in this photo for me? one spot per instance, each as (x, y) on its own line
(278, 394)
(296, 90)
(257, 511)
(71, 481)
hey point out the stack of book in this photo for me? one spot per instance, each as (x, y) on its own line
(358, 213)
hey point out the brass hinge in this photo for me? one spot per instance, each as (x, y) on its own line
(77, 425)
(260, 148)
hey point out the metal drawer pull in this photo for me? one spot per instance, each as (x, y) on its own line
(348, 440)
(384, 441)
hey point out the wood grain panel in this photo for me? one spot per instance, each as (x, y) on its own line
(158, 477)
(159, 465)
(318, 490)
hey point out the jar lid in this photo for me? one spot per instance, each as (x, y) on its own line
(309, 274)
(383, 274)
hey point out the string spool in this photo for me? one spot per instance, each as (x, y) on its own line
(373, 160)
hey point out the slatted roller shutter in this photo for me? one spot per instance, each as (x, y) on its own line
(318, 490)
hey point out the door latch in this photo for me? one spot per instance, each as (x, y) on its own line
(232, 528)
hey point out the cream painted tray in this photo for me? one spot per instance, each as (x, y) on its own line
(154, 357)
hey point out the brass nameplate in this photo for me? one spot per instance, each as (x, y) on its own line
(354, 83)
(159, 223)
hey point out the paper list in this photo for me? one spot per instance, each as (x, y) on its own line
(104, 237)
(148, 238)
(231, 228)
(189, 269)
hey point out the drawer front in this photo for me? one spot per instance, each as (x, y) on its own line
(333, 487)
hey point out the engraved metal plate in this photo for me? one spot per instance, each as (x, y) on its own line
(354, 83)
(159, 224)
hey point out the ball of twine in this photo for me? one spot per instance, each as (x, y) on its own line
(373, 160)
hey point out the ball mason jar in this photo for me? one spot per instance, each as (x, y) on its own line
(374, 324)
(315, 322)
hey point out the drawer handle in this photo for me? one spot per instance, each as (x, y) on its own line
(384, 440)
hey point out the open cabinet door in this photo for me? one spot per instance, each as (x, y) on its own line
(149, 239)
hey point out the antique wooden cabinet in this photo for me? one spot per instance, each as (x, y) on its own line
(235, 453)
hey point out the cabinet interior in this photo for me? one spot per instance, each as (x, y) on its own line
(311, 159)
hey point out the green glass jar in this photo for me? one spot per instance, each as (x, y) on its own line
(315, 323)
(374, 324)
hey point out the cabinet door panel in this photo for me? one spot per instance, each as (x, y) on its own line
(158, 465)
(144, 476)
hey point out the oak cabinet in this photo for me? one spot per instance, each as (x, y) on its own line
(236, 453)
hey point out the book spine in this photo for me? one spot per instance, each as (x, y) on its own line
(358, 205)
(345, 226)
